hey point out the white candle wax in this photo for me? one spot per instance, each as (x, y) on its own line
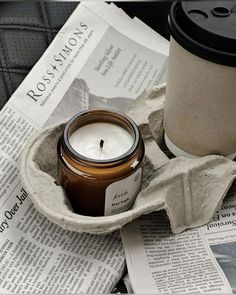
(101, 141)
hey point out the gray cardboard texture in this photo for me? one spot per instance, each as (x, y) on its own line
(190, 190)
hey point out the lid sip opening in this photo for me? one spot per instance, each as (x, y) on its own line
(206, 29)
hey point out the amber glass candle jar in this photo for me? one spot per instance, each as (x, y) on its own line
(100, 155)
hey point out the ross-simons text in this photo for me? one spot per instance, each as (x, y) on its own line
(57, 63)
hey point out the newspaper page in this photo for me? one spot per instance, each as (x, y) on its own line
(153, 34)
(90, 63)
(220, 234)
(162, 43)
(201, 260)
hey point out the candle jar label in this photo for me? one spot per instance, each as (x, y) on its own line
(120, 195)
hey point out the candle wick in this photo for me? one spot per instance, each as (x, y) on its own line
(101, 143)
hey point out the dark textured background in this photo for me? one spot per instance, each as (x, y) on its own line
(26, 30)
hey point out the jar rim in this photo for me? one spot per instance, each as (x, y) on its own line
(90, 114)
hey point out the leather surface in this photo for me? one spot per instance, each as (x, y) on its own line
(26, 30)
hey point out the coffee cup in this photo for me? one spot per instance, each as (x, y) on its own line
(200, 108)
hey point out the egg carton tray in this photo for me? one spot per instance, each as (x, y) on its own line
(190, 190)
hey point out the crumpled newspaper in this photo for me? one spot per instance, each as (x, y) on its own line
(190, 190)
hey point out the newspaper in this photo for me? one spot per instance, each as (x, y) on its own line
(202, 260)
(92, 62)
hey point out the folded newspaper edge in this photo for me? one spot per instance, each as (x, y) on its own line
(190, 190)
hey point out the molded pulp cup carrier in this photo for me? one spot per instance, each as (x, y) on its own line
(200, 110)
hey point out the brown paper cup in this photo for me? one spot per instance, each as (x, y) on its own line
(200, 109)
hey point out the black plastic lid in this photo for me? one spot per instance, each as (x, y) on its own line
(206, 28)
